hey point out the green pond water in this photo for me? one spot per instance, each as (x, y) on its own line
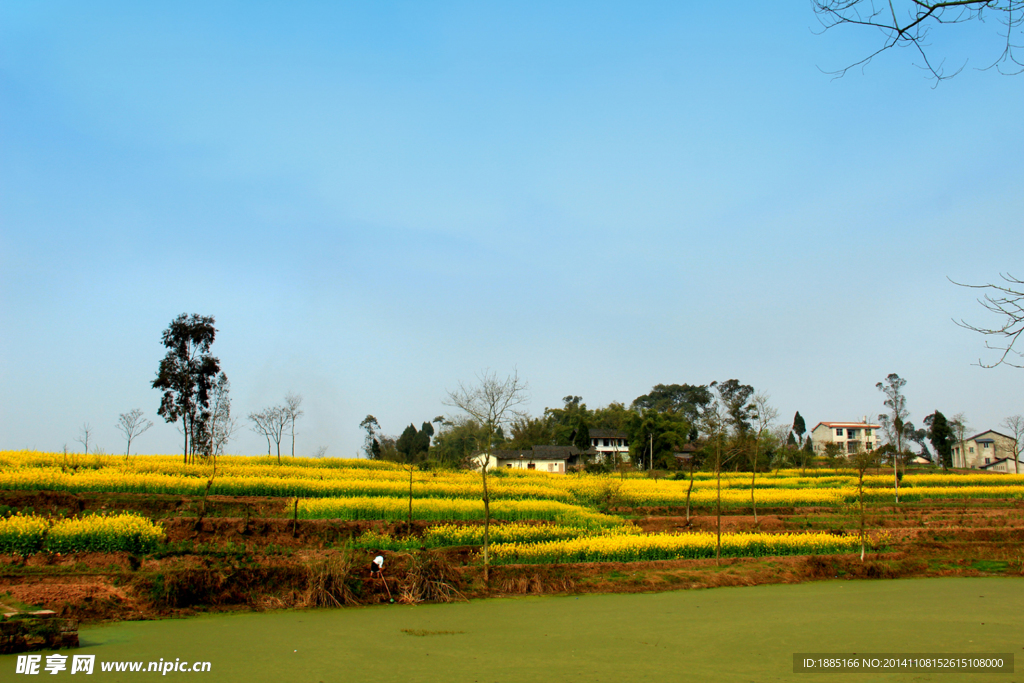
(722, 634)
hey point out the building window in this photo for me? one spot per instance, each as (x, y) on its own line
(867, 432)
(988, 460)
(531, 466)
(972, 449)
(551, 467)
(839, 432)
(852, 433)
(868, 445)
(984, 445)
(508, 465)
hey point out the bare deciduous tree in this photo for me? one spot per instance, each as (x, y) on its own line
(765, 417)
(714, 424)
(84, 435)
(908, 23)
(960, 426)
(1005, 300)
(132, 424)
(271, 423)
(220, 424)
(782, 455)
(895, 421)
(293, 412)
(493, 403)
(1015, 423)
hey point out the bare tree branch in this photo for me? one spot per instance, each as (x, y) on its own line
(1006, 301)
(293, 412)
(84, 435)
(270, 422)
(907, 23)
(132, 424)
(494, 403)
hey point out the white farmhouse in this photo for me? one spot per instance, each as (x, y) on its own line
(988, 450)
(555, 459)
(854, 437)
(610, 444)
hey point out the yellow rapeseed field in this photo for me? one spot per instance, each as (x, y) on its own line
(28, 534)
(646, 547)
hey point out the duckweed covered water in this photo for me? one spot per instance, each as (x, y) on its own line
(723, 634)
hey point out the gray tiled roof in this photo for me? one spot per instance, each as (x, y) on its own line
(607, 434)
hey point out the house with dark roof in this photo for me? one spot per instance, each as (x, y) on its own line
(609, 444)
(989, 451)
(554, 459)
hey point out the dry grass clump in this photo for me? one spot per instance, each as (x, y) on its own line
(330, 582)
(430, 577)
(537, 584)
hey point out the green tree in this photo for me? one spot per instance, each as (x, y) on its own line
(571, 423)
(457, 440)
(527, 432)
(799, 426)
(805, 456)
(941, 436)
(186, 374)
(413, 446)
(655, 437)
(739, 411)
(686, 399)
(612, 416)
(834, 455)
(371, 442)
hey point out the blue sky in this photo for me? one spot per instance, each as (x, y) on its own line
(379, 200)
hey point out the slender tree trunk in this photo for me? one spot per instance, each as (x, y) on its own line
(184, 430)
(753, 500)
(896, 471)
(688, 490)
(753, 476)
(408, 528)
(487, 523)
(860, 487)
(718, 506)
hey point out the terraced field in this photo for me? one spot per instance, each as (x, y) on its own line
(251, 531)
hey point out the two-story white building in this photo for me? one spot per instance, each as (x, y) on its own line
(854, 437)
(988, 450)
(610, 443)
